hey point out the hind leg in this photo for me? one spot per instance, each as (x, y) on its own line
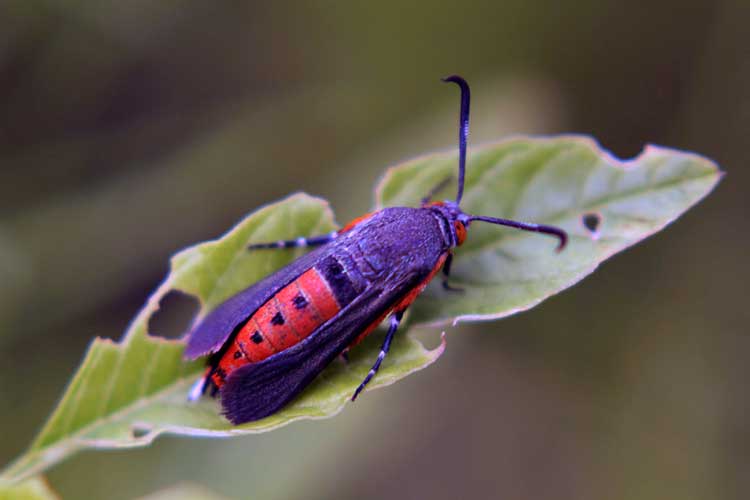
(395, 321)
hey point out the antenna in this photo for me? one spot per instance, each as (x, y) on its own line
(463, 135)
(537, 228)
(463, 130)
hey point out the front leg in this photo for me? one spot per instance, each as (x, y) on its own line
(300, 242)
(447, 273)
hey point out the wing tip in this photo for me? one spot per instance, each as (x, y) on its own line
(239, 409)
(250, 393)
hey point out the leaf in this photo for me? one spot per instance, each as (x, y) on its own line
(125, 394)
(553, 181)
(35, 488)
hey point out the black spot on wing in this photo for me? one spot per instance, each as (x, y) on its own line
(257, 337)
(278, 319)
(300, 302)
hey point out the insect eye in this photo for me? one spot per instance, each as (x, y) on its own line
(460, 232)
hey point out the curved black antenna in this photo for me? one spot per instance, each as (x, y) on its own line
(463, 130)
(537, 228)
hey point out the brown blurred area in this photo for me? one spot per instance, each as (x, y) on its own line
(129, 130)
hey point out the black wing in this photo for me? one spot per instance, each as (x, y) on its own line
(260, 389)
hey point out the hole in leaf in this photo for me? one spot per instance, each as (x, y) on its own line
(175, 314)
(591, 221)
(139, 432)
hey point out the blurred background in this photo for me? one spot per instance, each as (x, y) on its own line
(129, 130)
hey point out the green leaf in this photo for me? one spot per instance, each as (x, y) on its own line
(553, 181)
(35, 488)
(125, 394)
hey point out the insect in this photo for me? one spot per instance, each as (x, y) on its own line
(268, 342)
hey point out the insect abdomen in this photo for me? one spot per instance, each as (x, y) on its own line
(288, 317)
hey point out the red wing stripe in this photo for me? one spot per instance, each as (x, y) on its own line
(295, 312)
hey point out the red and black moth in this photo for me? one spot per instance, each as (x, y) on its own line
(268, 342)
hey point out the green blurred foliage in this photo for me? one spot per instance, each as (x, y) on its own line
(35, 488)
(129, 130)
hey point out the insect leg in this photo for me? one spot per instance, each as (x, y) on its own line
(395, 320)
(197, 389)
(345, 356)
(297, 243)
(447, 273)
